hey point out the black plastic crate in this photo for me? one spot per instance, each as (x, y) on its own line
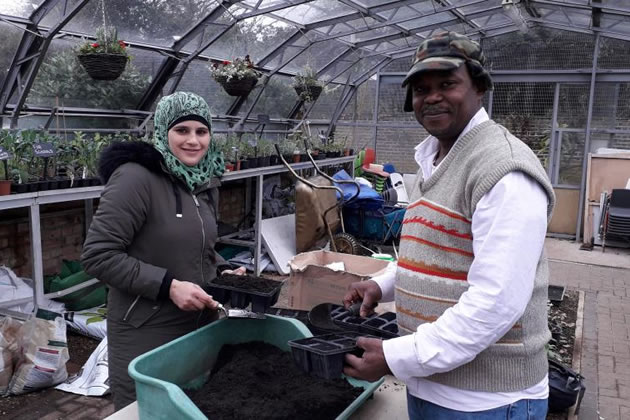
(240, 298)
(324, 355)
(381, 325)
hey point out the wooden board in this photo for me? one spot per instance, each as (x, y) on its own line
(564, 217)
(278, 236)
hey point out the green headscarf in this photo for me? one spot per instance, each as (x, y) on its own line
(169, 109)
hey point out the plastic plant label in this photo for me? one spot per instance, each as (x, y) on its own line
(43, 150)
(4, 155)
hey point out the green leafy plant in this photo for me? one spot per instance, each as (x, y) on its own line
(307, 85)
(238, 69)
(107, 42)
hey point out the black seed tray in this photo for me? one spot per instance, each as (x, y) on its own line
(324, 355)
(383, 325)
(240, 298)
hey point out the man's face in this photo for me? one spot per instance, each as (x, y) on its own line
(444, 101)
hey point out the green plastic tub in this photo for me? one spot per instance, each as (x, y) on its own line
(187, 362)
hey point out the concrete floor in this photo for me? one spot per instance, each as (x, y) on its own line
(605, 361)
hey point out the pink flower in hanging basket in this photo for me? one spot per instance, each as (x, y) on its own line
(95, 45)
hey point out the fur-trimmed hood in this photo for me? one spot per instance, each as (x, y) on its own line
(119, 153)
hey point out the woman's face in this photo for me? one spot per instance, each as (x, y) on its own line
(189, 141)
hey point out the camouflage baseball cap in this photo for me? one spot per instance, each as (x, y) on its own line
(447, 51)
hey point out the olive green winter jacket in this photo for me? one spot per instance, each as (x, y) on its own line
(149, 228)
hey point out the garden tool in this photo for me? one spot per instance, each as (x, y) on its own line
(240, 313)
(319, 316)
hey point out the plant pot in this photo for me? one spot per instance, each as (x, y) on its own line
(288, 157)
(308, 93)
(229, 166)
(63, 183)
(53, 184)
(103, 66)
(304, 157)
(43, 185)
(19, 188)
(32, 186)
(239, 87)
(296, 157)
(94, 181)
(263, 161)
(252, 162)
(244, 164)
(5, 187)
(274, 160)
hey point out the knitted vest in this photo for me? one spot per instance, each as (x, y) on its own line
(436, 253)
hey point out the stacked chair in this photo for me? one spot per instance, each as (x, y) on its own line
(617, 217)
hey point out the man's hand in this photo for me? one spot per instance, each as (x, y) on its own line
(372, 365)
(367, 291)
(241, 271)
(190, 296)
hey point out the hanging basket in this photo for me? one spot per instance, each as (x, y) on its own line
(239, 87)
(103, 66)
(309, 93)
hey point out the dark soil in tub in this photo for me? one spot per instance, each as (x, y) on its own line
(249, 283)
(259, 381)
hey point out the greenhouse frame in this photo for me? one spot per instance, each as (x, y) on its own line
(319, 94)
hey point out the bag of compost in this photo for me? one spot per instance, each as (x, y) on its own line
(43, 353)
(8, 350)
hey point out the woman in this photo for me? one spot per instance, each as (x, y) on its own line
(152, 238)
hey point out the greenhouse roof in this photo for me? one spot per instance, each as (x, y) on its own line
(344, 41)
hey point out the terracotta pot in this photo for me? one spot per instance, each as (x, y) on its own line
(5, 187)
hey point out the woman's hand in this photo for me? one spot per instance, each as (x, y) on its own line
(241, 271)
(190, 296)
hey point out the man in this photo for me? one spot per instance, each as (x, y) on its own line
(470, 283)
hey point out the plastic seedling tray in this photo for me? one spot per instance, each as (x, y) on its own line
(241, 298)
(324, 355)
(382, 325)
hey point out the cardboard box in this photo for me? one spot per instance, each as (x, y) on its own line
(311, 282)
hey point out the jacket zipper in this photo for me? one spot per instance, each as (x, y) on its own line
(133, 304)
(203, 237)
(203, 246)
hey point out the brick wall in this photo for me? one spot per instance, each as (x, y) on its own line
(62, 238)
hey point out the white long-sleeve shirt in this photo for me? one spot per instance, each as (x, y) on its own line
(508, 228)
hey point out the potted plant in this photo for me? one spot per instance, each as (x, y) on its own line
(7, 143)
(237, 77)
(105, 58)
(307, 86)
(265, 152)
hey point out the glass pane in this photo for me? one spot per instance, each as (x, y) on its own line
(255, 36)
(315, 11)
(398, 65)
(11, 37)
(573, 105)
(324, 107)
(571, 154)
(526, 110)
(613, 53)
(391, 101)
(150, 22)
(396, 144)
(197, 79)
(540, 48)
(61, 80)
(21, 8)
(277, 99)
(357, 137)
(361, 107)
(316, 56)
